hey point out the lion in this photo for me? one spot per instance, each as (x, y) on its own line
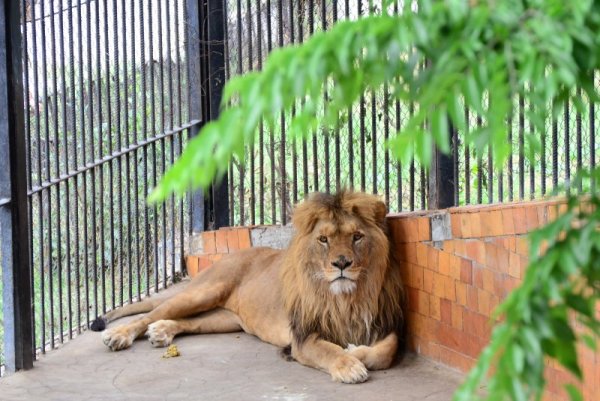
(333, 300)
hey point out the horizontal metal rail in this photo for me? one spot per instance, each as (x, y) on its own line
(99, 162)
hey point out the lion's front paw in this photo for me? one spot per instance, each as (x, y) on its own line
(161, 333)
(348, 369)
(118, 338)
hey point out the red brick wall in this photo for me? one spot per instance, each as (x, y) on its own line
(453, 285)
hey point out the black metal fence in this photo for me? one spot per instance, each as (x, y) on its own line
(98, 93)
(279, 171)
(108, 92)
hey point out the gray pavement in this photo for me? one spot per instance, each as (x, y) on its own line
(211, 367)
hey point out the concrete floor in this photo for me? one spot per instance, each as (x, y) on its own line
(211, 367)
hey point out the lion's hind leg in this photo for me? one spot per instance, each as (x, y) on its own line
(162, 332)
(192, 301)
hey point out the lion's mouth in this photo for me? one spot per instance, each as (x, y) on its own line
(342, 285)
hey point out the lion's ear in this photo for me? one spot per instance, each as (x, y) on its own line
(304, 217)
(370, 208)
(379, 211)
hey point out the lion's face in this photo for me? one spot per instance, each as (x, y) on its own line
(340, 249)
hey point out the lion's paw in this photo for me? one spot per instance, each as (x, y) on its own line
(161, 333)
(117, 338)
(348, 369)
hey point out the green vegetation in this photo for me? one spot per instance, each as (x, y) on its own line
(481, 56)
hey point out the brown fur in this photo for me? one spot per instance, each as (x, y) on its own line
(333, 299)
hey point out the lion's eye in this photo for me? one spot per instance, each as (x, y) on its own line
(323, 239)
(357, 237)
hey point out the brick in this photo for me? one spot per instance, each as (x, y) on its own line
(472, 248)
(208, 240)
(221, 241)
(432, 259)
(472, 298)
(473, 346)
(449, 246)
(446, 311)
(465, 225)
(523, 265)
(455, 225)
(413, 299)
(438, 285)
(457, 317)
(449, 288)
(532, 218)
(508, 224)
(491, 261)
(410, 250)
(502, 259)
(423, 307)
(460, 247)
(461, 293)
(522, 246)
(456, 360)
(411, 230)
(449, 337)
(434, 308)
(444, 263)
(483, 301)
(423, 229)
(428, 281)
(422, 254)
(416, 276)
(478, 276)
(475, 224)
(466, 271)
(244, 238)
(542, 215)
(520, 220)
(496, 223)
(488, 280)
(476, 324)
(499, 287)
(514, 265)
(233, 241)
(486, 224)
(191, 265)
(455, 263)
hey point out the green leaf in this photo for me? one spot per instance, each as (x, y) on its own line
(574, 393)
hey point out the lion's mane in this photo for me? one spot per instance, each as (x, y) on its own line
(371, 312)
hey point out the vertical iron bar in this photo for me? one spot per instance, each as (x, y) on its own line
(261, 128)
(592, 113)
(75, 163)
(510, 172)
(521, 147)
(467, 163)
(153, 237)
(252, 147)
(57, 168)
(282, 158)
(67, 183)
(216, 72)
(554, 153)
(271, 130)
(195, 94)
(48, 176)
(567, 145)
(479, 168)
(163, 144)
(134, 138)
(240, 71)
(14, 218)
(578, 125)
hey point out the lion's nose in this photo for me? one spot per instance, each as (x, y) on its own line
(341, 262)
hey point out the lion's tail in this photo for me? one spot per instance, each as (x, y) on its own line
(144, 306)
